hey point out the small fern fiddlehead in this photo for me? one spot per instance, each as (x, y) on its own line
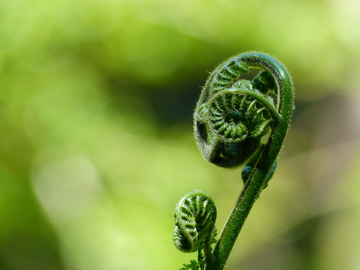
(239, 121)
(195, 216)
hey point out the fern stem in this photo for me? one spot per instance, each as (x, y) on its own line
(253, 187)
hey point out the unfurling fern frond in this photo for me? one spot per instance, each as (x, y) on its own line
(236, 121)
(195, 217)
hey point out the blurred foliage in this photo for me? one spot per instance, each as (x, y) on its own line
(96, 144)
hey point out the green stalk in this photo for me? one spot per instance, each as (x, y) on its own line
(254, 186)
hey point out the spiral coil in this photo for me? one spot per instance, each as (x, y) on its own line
(195, 217)
(233, 114)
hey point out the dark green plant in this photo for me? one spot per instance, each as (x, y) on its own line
(236, 121)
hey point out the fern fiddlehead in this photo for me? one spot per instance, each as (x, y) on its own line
(239, 121)
(195, 217)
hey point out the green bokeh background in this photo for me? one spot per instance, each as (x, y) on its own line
(96, 143)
